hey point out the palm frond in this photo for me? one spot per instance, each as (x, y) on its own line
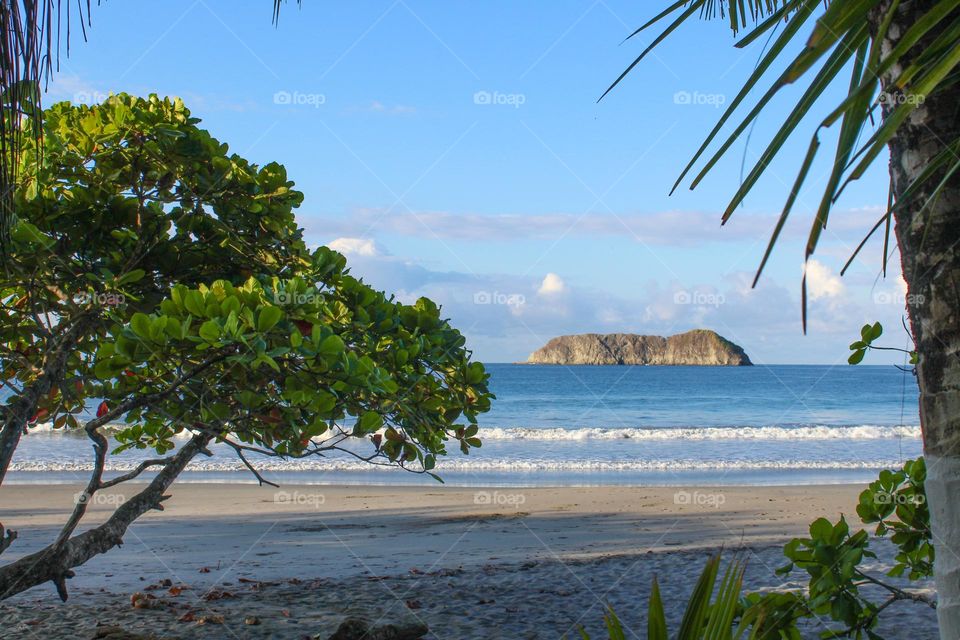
(276, 9)
(29, 49)
(892, 81)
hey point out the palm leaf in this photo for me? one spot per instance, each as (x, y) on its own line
(696, 610)
(656, 620)
(614, 628)
(841, 37)
(725, 607)
(29, 45)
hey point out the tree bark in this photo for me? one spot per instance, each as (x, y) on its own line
(929, 241)
(17, 415)
(55, 562)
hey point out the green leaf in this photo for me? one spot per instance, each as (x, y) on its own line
(614, 627)
(696, 610)
(656, 619)
(821, 529)
(131, 276)
(268, 318)
(856, 357)
(193, 301)
(210, 331)
(25, 232)
(369, 422)
(140, 323)
(332, 346)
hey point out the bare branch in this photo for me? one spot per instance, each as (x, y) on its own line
(130, 475)
(898, 593)
(55, 563)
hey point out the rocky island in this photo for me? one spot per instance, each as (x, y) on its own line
(699, 347)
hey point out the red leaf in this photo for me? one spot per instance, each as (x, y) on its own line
(102, 409)
(305, 327)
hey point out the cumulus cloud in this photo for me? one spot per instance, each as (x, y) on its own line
(822, 282)
(506, 316)
(356, 247)
(552, 284)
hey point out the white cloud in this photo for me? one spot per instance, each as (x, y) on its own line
(65, 86)
(822, 282)
(398, 109)
(552, 284)
(378, 107)
(662, 228)
(356, 247)
(506, 316)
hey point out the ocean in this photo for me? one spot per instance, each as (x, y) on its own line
(610, 425)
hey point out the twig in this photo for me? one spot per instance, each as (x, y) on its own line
(900, 594)
(130, 475)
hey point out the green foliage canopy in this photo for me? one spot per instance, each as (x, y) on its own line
(174, 278)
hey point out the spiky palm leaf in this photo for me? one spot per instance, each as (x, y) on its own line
(886, 85)
(29, 47)
(702, 619)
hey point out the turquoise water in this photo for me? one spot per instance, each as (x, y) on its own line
(584, 425)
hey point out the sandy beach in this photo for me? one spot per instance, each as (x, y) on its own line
(468, 563)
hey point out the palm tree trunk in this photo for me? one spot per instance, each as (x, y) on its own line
(929, 241)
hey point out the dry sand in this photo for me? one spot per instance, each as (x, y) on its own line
(470, 563)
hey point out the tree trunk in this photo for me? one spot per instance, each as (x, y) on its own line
(929, 241)
(17, 415)
(55, 562)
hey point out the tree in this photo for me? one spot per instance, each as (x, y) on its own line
(29, 47)
(901, 57)
(841, 585)
(122, 189)
(167, 282)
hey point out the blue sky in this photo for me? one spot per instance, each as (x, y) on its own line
(456, 150)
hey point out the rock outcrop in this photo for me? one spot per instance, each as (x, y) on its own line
(698, 347)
